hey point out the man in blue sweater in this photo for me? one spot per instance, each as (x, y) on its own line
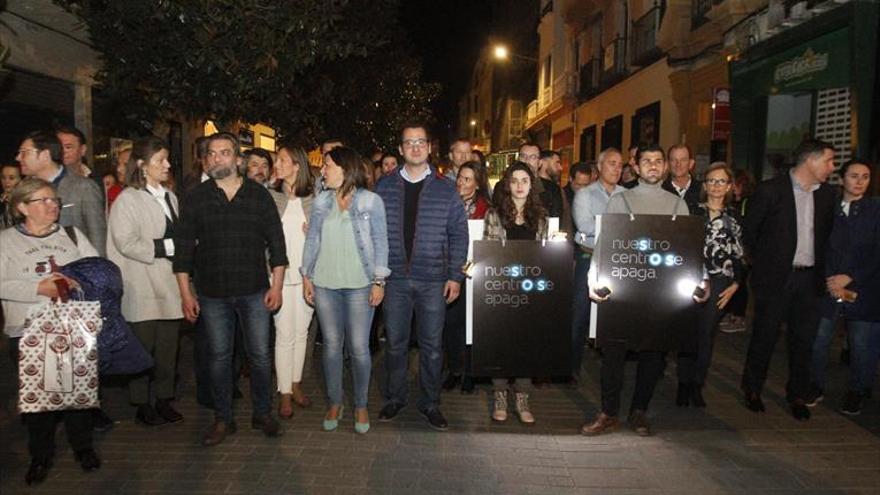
(427, 247)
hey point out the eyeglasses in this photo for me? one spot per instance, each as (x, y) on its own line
(45, 201)
(717, 182)
(528, 157)
(414, 143)
(22, 151)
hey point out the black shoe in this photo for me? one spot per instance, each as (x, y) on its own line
(268, 425)
(816, 396)
(389, 412)
(467, 385)
(100, 421)
(38, 471)
(697, 396)
(163, 407)
(452, 381)
(852, 404)
(799, 410)
(148, 416)
(754, 402)
(88, 459)
(435, 419)
(638, 421)
(683, 396)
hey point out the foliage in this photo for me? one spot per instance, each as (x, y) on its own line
(309, 68)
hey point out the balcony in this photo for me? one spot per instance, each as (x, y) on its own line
(589, 79)
(614, 61)
(644, 41)
(552, 97)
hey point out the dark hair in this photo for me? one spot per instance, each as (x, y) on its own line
(533, 211)
(225, 136)
(730, 177)
(809, 148)
(201, 147)
(480, 154)
(45, 140)
(745, 180)
(649, 148)
(69, 129)
(680, 146)
(353, 172)
(392, 155)
(416, 124)
(480, 177)
(303, 183)
(580, 168)
(260, 152)
(529, 143)
(142, 150)
(11, 165)
(460, 140)
(856, 161)
(548, 154)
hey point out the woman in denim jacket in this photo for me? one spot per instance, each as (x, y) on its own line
(346, 280)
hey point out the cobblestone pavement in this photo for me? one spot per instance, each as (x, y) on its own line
(724, 449)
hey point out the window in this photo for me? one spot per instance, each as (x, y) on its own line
(646, 125)
(612, 132)
(699, 8)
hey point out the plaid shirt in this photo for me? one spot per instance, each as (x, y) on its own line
(224, 242)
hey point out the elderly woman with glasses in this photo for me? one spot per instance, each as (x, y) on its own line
(30, 254)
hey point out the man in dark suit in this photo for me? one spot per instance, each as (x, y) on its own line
(788, 225)
(681, 181)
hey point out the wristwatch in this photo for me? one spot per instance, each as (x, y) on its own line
(379, 282)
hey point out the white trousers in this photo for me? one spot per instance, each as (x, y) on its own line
(291, 336)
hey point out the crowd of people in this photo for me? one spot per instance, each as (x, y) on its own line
(253, 245)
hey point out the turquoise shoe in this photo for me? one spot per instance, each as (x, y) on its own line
(361, 427)
(332, 424)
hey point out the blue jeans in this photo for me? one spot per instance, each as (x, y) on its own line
(864, 350)
(218, 315)
(345, 316)
(402, 296)
(580, 311)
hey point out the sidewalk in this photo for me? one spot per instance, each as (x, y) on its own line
(725, 449)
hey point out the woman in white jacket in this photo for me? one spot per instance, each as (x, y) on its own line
(293, 196)
(140, 242)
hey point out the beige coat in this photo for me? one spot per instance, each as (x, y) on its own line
(151, 292)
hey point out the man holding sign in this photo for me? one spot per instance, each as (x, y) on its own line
(647, 198)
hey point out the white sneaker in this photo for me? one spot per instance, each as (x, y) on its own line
(522, 409)
(499, 411)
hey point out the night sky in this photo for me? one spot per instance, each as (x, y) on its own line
(447, 35)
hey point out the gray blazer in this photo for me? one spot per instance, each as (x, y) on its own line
(84, 208)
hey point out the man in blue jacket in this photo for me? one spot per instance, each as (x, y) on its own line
(427, 247)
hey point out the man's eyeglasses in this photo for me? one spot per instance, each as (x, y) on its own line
(24, 151)
(414, 143)
(45, 201)
(717, 182)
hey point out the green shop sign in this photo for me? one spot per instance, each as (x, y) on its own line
(822, 62)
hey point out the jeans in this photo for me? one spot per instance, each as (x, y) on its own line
(219, 315)
(694, 366)
(864, 345)
(402, 296)
(580, 311)
(345, 316)
(798, 305)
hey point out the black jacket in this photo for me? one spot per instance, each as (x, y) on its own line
(770, 234)
(691, 196)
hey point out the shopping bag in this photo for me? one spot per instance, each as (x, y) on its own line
(58, 357)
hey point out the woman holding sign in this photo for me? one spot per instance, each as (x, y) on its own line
(723, 258)
(518, 215)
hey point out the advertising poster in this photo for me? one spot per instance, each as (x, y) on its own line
(652, 264)
(521, 308)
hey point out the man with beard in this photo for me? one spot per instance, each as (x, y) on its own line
(233, 221)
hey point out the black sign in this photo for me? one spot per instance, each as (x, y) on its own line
(521, 308)
(652, 264)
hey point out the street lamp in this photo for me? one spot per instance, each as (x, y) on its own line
(501, 53)
(473, 123)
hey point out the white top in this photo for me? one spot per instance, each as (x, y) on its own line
(292, 222)
(27, 259)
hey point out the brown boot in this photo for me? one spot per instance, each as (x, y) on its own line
(218, 432)
(602, 424)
